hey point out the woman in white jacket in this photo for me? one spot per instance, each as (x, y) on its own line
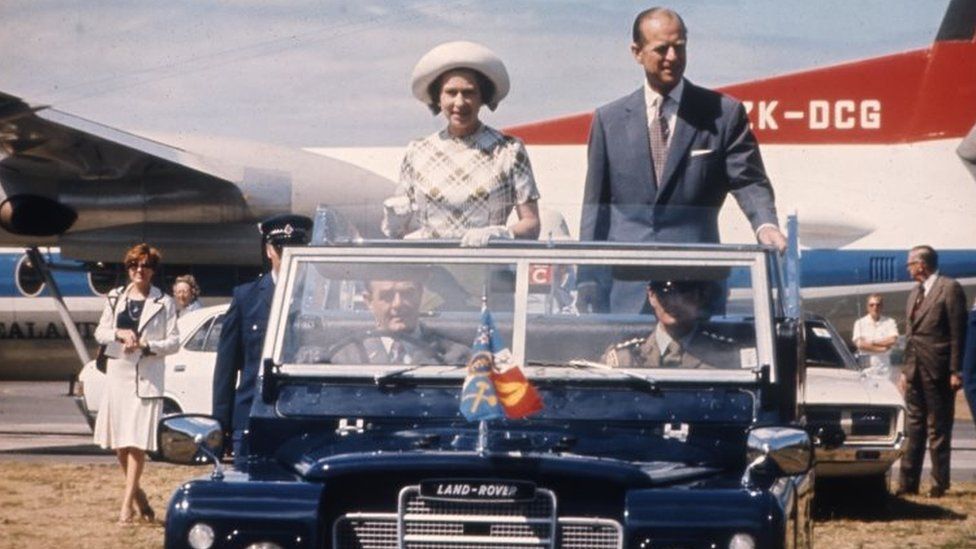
(138, 327)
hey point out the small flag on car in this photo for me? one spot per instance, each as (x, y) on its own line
(494, 387)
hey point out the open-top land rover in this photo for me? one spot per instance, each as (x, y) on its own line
(425, 396)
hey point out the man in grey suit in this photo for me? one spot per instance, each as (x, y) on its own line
(662, 160)
(936, 331)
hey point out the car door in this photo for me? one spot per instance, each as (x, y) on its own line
(190, 371)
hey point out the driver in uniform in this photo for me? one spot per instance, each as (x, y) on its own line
(678, 340)
(398, 336)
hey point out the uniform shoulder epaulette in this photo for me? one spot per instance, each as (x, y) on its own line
(635, 342)
(717, 337)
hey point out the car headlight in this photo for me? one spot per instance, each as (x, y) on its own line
(742, 541)
(201, 536)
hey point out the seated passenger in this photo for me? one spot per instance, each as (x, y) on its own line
(398, 336)
(677, 340)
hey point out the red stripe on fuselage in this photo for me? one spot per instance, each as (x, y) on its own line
(913, 96)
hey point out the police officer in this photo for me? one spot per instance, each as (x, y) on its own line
(677, 340)
(242, 335)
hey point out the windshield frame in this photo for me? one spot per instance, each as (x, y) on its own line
(522, 254)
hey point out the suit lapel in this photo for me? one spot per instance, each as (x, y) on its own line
(638, 140)
(684, 134)
(930, 298)
(651, 352)
(152, 307)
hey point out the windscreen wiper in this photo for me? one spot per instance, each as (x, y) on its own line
(589, 365)
(380, 379)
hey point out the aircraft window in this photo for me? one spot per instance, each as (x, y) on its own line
(213, 337)
(29, 279)
(197, 342)
(102, 279)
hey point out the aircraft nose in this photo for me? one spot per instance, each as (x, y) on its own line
(33, 215)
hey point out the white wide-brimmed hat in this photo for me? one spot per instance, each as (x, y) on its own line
(458, 55)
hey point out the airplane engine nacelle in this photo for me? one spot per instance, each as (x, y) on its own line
(33, 215)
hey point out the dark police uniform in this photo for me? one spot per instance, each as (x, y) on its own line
(242, 336)
(703, 350)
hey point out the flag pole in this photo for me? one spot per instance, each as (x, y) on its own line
(482, 446)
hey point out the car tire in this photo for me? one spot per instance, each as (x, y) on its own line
(170, 407)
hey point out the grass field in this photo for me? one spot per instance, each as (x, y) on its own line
(59, 505)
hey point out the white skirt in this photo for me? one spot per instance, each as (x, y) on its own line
(124, 419)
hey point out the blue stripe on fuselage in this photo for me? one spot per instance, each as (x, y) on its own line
(71, 283)
(862, 267)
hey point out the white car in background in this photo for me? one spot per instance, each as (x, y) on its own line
(189, 371)
(857, 419)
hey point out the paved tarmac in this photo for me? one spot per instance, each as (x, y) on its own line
(40, 421)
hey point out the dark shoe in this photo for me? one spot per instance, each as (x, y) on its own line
(903, 491)
(936, 492)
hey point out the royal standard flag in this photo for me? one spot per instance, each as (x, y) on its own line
(494, 387)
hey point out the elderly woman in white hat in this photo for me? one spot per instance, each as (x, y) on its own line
(465, 180)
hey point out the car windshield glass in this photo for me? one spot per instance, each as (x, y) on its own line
(402, 314)
(683, 315)
(660, 317)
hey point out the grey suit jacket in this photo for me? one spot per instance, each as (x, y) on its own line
(713, 153)
(936, 334)
(437, 349)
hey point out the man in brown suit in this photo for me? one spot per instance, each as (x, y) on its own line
(936, 331)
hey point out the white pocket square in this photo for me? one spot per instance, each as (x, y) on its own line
(699, 152)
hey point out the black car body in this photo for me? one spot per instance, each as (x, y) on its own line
(371, 455)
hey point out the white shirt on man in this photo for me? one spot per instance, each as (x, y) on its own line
(870, 330)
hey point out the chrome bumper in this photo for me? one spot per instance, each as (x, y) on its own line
(857, 460)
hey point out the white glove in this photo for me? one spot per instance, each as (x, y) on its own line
(397, 212)
(480, 236)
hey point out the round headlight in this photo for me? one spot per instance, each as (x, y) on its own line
(742, 541)
(264, 545)
(201, 536)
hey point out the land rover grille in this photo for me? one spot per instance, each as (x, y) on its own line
(422, 523)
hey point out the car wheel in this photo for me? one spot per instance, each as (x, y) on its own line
(170, 407)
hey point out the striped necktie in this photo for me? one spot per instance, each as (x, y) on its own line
(919, 297)
(659, 140)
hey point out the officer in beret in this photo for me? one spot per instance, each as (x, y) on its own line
(677, 341)
(243, 331)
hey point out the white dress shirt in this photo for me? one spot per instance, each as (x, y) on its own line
(867, 329)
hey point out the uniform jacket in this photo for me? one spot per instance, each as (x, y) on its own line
(157, 328)
(239, 352)
(936, 335)
(704, 350)
(712, 153)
